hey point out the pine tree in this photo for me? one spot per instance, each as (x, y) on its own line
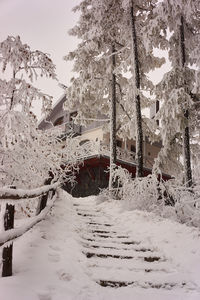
(97, 63)
(182, 20)
(102, 24)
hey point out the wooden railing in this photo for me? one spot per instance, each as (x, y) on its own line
(47, 196)
(91, 148)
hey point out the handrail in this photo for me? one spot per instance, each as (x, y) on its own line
(18, 194)
(10, 233)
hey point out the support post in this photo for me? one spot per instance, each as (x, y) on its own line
(7, 255)
(43, 199)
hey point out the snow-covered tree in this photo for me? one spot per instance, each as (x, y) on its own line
(18, 134)
(23, 64)
(140, 61)
(28, 156)
(102, 26)
(182, 18)
(95, 91)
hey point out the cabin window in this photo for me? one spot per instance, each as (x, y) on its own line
(133, 148)
(58, 121)
(119, 143)
(149, 153)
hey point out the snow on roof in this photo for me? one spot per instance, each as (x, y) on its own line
(57, 105)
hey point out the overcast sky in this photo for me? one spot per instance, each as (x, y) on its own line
(43, 25)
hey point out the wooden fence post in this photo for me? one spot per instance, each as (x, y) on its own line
(43, 200)
(8, 250)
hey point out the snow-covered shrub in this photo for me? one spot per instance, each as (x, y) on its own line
(170, 199)
(186, 202)
(145, 193)
(120, 177)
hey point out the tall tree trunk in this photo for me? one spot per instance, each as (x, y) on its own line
(13, 92)
(139, 132)
(186, 133)
(113, 148)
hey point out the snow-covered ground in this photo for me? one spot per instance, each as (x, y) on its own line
(83, 246)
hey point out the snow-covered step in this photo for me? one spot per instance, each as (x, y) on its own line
(124, 256)
(138, 278)
(95, 224)
(84, 203)
(83, 210)
(147, 285)
(130, 264)
(133, 268)
(87, 214)
(117, 238)
(117, 259)
(84, 207)
(89, 217)
(117, 246)
(146, 255)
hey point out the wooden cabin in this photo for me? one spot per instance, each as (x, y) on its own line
(93, 173)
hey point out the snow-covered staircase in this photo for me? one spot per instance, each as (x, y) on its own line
(117, 259)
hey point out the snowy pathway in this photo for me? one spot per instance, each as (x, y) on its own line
(118, 259)
(89, 251)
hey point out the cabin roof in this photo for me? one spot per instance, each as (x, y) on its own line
(55, 109)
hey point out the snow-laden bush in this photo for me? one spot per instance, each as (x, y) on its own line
(145, 193)
(186, 202)
(169, 199)
(120, 177)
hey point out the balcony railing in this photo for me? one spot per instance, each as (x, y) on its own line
(91, 148)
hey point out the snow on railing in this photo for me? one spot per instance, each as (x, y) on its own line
(11, 234)
(17, 194)
(47, 192)
(92, 148)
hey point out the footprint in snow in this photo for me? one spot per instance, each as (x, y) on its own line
(53, 257)
(64, 275)
(43, 236)
(55, 248)
(44, 296)
(33, 245)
